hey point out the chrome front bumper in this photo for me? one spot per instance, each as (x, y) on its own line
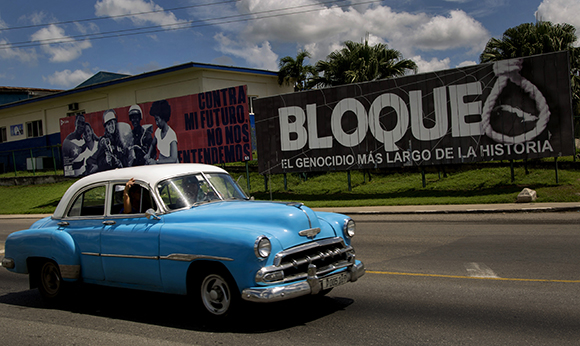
(302, 288)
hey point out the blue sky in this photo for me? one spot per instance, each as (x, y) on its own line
(58, 44)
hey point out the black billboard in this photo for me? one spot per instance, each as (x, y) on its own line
(511, 109)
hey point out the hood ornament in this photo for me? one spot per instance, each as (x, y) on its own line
(310, 233)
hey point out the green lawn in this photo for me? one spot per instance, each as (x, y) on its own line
(464, 186)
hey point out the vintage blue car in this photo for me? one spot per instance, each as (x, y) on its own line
(189, 229)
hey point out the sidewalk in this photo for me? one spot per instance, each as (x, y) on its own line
(420, 209)
(457, 208)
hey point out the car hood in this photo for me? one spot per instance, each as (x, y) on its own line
(289, 222)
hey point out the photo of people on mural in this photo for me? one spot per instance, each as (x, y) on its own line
(165, 139)
(212, 127)
(122, 144)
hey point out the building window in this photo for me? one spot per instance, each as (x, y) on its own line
(3, 137)
(74, 114)
(34, 129)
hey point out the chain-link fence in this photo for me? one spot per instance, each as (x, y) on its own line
(31, 160)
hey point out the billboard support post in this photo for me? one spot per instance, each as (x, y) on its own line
(349, 182)
(556, 168)
(512, 170)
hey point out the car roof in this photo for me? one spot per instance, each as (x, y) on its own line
(151, 174)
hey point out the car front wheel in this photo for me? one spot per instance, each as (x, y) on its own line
(217, 294)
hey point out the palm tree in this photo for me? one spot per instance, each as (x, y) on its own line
(529, 39)
(359, 62)
(543, 37)
(294, 72)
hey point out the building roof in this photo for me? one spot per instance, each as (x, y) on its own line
(8, 89)
(15, 94)
(101, 77)
(105, 83)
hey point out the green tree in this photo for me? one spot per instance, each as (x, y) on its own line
(295, 72)
(543, 37)
(360, 62)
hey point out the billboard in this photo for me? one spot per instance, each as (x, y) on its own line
(211, 127)
(511, 109)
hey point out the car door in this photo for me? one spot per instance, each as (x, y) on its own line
(84, 222)
(130, 242)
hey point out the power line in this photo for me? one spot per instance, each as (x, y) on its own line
(115, 17)
(180, 26)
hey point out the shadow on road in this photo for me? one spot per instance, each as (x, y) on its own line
(179, 312)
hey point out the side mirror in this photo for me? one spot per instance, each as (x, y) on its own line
(150, 213)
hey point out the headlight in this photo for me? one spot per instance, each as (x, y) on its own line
(349, 228)
(262, 247)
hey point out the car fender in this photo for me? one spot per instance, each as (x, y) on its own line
(184, 246)
(51, 244)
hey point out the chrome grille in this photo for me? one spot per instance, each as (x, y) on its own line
(327, 255)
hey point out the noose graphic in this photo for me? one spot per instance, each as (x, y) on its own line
(505, 71)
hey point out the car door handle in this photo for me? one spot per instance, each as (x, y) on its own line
(109, 222)
(63, 224)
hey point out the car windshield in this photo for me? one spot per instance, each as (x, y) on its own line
(189, 190)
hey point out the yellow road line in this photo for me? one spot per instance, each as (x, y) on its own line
(470, 277)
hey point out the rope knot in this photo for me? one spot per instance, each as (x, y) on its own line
(507, 67)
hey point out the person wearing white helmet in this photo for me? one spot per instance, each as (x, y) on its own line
(142, 135)
(114, 152)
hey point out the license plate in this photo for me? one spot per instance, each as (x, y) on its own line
(334, 280)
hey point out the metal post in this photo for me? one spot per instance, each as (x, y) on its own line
(556, 167)
(285, 182)
(33, 165)
(512, 170)
(53, 159)
(248, 176)
(423, 176)
(349, 185)
(14, 161)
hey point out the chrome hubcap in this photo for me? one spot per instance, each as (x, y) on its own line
(215, 294)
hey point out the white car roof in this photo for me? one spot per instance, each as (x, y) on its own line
(151, 174)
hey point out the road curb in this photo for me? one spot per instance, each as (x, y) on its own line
(447, 210)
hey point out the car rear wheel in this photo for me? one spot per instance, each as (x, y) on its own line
(217, 293)
(50, 283)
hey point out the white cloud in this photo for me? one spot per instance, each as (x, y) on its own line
(23, 55)
(105, 8)
(68, 78)
(324, 29)
(432, 65)
(467, 63)
(455, 31)
(37, 18)
(561, 11)
(257, 55)
(59, 52)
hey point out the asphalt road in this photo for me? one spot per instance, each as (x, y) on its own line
(499, 279)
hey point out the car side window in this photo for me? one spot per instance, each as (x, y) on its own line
(89, 203)
(143, 199)
(184, 191)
